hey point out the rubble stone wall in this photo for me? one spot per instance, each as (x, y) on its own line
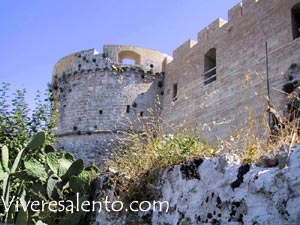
(101, 99)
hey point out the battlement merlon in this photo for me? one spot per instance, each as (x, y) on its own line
(208, 31)
(235, 12)
(247, 6)
(242, 8)
(68, 62)
(142, 56)
(112, 54)
(184, 48)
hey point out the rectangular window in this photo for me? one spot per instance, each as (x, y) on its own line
(128, 109)
(174, 92)
(296, 21)
(210, 66)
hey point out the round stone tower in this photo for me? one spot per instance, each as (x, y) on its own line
(97, 93)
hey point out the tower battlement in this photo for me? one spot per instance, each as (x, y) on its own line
(146, 59)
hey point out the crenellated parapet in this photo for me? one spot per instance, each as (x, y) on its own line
(235, 12)
(146, 58)
(184, 48)
(209, 31)
(220, 31)
(112, 56)
(243, 8)
(249, 6)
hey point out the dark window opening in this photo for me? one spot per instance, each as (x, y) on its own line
(160, 84)
(296, 21)
(210, 66)
(100, 111)
(175, 92)
(141, 114)
(128, 109)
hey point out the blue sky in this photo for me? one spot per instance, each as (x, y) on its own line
(35, 34)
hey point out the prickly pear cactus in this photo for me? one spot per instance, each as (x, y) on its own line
(42, 174)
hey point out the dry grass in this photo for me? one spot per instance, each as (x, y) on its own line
(251, 146)
(250, 143)
(150, 151)
(159, 145)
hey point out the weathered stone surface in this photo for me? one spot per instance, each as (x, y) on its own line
(268, 160)
(202, 192)
(273, 159)
(262, 196)
(100, 98)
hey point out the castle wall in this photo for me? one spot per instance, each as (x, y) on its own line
(221, 107)
(97, 93)
(100, 100)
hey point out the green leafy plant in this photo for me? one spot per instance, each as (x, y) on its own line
(40, 173)
(31, 170)
(149, 152)
(12, 189)
(178, 148)
(18, 123)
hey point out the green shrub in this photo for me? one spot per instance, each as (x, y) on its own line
(31, 169)
(148, 153)
(39, 173)
(18, 123)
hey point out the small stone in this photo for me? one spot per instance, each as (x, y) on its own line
(268, 160)
(283, 156)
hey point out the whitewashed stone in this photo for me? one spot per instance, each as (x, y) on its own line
(223, 191)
